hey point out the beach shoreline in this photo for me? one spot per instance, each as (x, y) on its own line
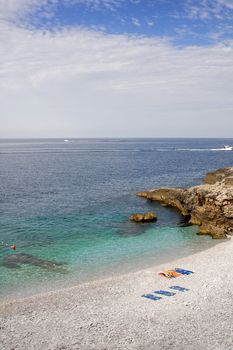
(111, 314)
(54, 286)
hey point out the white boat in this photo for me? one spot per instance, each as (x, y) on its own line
(228, 148)
(66, 140)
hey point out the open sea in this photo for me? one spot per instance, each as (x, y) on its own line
(69, 202)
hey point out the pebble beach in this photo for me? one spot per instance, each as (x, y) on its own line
(112, 314)
(116, 175)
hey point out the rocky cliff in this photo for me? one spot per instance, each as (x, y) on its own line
(210, 206)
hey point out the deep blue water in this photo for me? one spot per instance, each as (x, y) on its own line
(70, 202)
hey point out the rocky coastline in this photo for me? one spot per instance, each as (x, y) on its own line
(210, 206)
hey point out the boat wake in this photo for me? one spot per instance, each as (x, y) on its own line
(203, 149)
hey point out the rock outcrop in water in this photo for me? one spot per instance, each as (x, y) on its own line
(148, 217)
(210, 206)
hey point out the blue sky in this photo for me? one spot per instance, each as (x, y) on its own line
(186, 22)
(127, 68)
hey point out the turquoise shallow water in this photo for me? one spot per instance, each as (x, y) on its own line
(71, 202)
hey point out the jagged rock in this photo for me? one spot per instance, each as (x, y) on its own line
(219, 175)
(147, 217)
(228, 181)
(209, 206)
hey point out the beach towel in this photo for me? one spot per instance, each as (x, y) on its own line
(151, 296)
(170, 274)
(183, 272)
(164, 292)
(180, 289)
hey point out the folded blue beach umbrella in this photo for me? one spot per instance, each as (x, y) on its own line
(164, 292)
(180, 289)
(151, 297)
(184, 272)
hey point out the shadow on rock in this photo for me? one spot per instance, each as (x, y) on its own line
(185, 221)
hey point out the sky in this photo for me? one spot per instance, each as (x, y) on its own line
(116, 68)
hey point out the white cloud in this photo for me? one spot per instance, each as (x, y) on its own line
(18, 9)
(79, 82)
(150, 23)
(226, 3)
(207, 9)
(12, 9)
(136, 22)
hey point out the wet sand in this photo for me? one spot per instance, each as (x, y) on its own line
(111, 314)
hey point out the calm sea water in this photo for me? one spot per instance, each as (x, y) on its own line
(70, 202)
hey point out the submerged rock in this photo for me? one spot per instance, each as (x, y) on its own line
(147, 217)
(16, 260)
(210, 206)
